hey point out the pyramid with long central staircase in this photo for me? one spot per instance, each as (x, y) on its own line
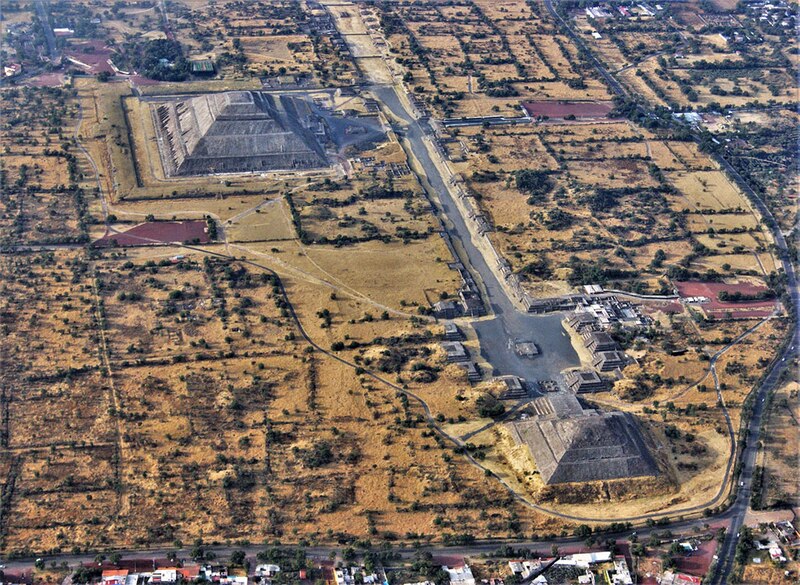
(236, 132)
(572, 444)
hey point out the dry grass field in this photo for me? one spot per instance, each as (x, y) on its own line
(293, 53)
(213, 413)
(450, 56)
(171, 398)
(284, 380)
(779, 485)
(49, 303)
(695, 68)
(763, 574)
(765, 156)
(39, 162)
(608, 197)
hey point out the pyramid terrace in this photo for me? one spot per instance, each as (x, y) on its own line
(236, 132)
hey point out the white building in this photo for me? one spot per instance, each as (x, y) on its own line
(267, 570)
(233, 580)
(621, 574)
(12, 69)
(164, 576)
(460, 575)
(586, 560)
(524, 568)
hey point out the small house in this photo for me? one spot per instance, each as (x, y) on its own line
(460, 575)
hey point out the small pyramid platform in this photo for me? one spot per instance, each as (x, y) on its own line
(572, 444)
(236, 132)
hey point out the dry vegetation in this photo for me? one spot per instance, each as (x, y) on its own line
(161, 394)
(171, 398)
(777, 473)
(479, 58)
(694, 56)
(188, 407)
(609, 203)
(41, 200)
(760, 145)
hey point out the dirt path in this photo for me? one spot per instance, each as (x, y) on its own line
(123, 502)
(712, 362)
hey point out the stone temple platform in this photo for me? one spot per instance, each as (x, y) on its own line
(237, 132)
(572, 444)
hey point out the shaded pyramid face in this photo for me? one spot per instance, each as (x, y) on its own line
(236, 132)
(569, 444)
(608, 446)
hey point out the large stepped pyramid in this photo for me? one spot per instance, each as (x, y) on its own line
(236, 132)
(573, 444)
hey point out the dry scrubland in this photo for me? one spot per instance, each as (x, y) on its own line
(191, 409)
(174, 398)
(609, 202)
(779, 463)
(39, 164)
(267, 43)
(481, 58)
(766, 155)
(699, 66)
(148, 398)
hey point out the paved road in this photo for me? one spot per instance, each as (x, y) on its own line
(508, 322)
(44, 18)
(507, 315)
(748, 460)
(479, 547)
(748, 457)
(612, 82)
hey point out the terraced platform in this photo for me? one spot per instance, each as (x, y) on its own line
(237, 132)
(573, 444)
